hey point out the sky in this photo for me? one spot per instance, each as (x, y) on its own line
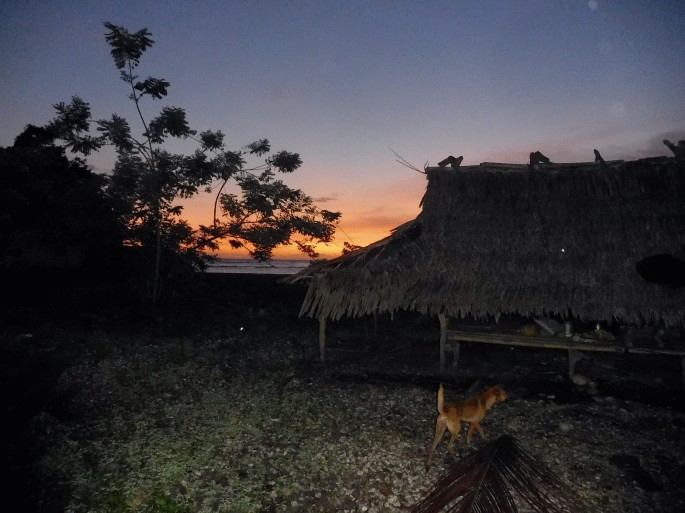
(347, 83)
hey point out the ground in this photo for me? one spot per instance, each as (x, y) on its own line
(236, 413)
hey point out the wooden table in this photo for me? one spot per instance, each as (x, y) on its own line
(575, 346)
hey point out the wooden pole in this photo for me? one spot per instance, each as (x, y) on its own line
(573, 357)
(443, 339)
(375, 326)
(322, 339)
(456, 346)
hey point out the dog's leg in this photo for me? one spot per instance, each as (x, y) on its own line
(469, 433)
(480, 430)
(473, 427)
(455, 428)
(440, 426)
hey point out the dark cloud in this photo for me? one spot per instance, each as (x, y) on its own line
(325, 199)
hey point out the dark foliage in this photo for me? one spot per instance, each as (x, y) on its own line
(53, 211)
(148, 180)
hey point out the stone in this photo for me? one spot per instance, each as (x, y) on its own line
(580, 380)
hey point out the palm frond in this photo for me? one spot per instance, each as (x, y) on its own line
(483, 482)
(404, 162)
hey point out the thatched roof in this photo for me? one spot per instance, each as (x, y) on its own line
(503, 238)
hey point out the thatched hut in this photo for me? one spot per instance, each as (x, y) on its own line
(592, 241)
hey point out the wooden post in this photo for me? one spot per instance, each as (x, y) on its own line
(456, 346)
(322, 339)
(573, 357)
(443, 339)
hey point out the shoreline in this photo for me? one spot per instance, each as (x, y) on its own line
(250, 266)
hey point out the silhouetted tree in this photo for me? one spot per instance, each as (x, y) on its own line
(50, 206)
(148, 180)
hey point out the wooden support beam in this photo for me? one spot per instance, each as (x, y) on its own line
(453, 162)
(456, 347)
(539, 341)
(322, 339)
(575, 347)
(443, 339)
(573, 357)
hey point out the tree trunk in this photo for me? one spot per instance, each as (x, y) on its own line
(158, 258)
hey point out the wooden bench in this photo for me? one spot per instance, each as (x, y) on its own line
(450, 340)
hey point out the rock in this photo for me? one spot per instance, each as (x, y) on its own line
(565, 427)
(514, 425)
(580, 380)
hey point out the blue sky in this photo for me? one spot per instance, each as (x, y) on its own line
(342, 83)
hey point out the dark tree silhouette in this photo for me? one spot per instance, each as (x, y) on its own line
(148, 180)
(53, 211)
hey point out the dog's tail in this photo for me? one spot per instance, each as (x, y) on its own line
(441, 399)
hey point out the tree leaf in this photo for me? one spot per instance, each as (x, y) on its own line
(85, 144)
(260, 147)
(126, 47)
(118, 131)
(212, 140)
(234, 159)
(171, 121)
(155, 87)
(72, 118)
(286, 162)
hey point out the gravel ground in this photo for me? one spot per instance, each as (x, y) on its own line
(252, 423)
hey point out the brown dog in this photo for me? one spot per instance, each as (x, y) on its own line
(472, 410)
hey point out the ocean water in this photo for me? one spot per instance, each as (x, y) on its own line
(249, 266)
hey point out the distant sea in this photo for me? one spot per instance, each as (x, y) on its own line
(249, 266)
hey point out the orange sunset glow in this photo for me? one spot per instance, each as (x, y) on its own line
(363, 222)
